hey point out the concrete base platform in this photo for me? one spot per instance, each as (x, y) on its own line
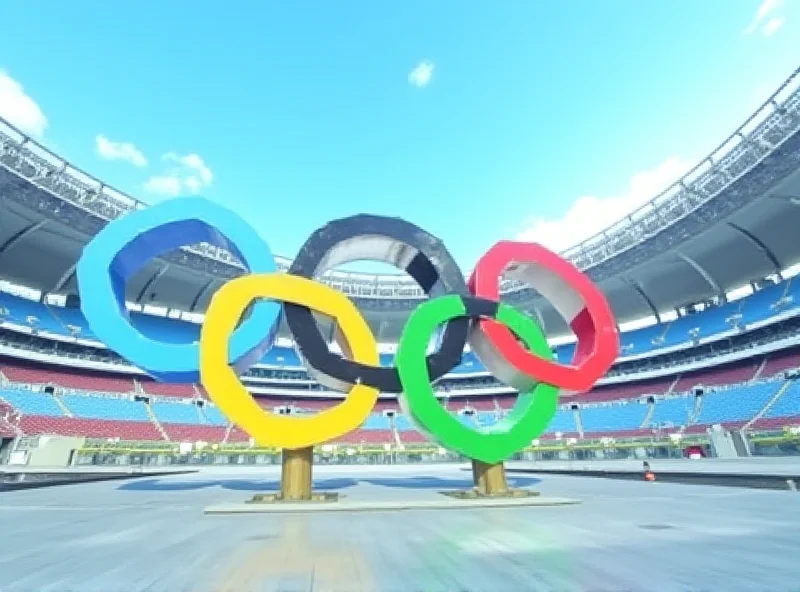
(345, 505)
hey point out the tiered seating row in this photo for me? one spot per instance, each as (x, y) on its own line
(113, 415)
(90, 428)
(626, 390)
(757, 307)
(185, 391)
(195, 433)
(728, 374)
(789, 403)
(780, 362)
(65, 378)
(613, 417)
(736, 403)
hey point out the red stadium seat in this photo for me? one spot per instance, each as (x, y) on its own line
(780, 362)
(728, 374)
(90, 428)
(163, 389)
(68, 378)
(195, 433)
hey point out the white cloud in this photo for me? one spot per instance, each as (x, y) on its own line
(421, 75)
(589, 214)
(20, 109)
(764, 20)
(164, 185)
(187, 174)
(772, 26)
(109, 150)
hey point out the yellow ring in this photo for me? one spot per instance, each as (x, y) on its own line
(230, 395)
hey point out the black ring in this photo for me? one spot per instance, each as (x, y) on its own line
(419, 253)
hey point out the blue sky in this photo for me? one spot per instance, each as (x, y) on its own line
(532, 119)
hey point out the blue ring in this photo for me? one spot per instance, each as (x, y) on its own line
(126, 244)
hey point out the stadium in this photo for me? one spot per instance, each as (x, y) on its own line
(711, 372)
(713, 361)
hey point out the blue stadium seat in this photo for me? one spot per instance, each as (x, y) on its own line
(71, 316)
(165, 329)
(626, 416)
(712, 321)
(563, 421)
(755, 307)
(182, 413)
(31, 403)
(403, 423)
(789, 403)
(469, 364)
(736, 403)
(487, 418)
(101, 407)
(760, 306)
(641, 340)
(674, 411)
(214, 416)
(565, 353)
(376, 421)
(21, 308)
(467, 420)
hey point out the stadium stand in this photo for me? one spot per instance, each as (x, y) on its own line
(619, 411)
(102, 405)
(714, 321)
(651, 391)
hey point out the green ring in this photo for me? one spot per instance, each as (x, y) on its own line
(527, 419)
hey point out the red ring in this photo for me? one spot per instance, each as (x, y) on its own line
(594, 325)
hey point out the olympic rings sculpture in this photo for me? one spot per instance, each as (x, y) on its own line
(510, 344)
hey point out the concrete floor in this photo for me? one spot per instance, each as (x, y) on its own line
(150, 534)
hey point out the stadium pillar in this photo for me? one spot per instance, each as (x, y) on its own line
(296, 474)
(489, 479)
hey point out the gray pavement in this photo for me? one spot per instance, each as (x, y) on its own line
(151, 534)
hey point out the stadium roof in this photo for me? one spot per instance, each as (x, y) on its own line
(729, 221)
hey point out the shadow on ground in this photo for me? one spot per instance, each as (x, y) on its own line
(423, 482)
